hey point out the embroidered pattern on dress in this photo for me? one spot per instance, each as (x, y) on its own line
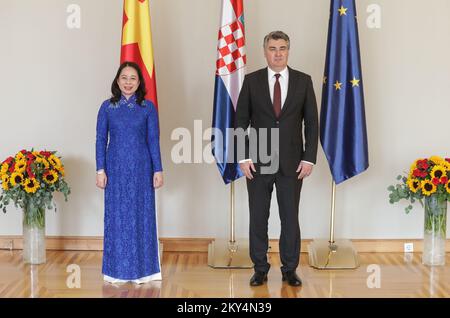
(123, 101)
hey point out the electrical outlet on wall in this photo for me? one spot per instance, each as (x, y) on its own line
(409, 247)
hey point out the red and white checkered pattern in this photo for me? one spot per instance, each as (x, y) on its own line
(231, 49)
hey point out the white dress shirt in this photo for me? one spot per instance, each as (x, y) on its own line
(284, 82)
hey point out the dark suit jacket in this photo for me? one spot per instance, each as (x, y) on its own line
(255, 109)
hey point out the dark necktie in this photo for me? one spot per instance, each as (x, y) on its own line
(277, 96)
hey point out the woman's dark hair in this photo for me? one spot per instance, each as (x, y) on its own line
(140, 92)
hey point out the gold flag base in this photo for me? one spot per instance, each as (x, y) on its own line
(223, 253)
(337, 255)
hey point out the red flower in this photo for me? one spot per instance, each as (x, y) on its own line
(30, 173)
(444, 180)
(447, 159)
(436, 181)
(13, 166)
(8, 160)
(30, 156)
(417, 173)
(23, 151)
(423, 164)
(46, 153)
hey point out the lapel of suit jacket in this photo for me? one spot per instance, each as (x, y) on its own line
(266, 91)
(291, 90)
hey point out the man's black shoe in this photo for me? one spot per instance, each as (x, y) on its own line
(292, 278)
(258, 279)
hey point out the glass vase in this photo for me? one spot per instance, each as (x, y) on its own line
(34, 251)
(435, 229)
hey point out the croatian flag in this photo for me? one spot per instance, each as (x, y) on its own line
(230, 72)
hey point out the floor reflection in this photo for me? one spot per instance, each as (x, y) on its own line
(34, 281)
(127, 290)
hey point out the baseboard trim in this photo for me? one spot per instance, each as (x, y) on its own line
(94, 243)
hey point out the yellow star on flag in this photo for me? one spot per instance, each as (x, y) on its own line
(338, 85)
(342, 10)
(355, 82)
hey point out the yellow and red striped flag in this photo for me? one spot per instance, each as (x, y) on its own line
(137, 42)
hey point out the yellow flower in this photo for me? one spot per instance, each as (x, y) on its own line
(54, 161)
(16, 179)
(31, 185)
(413, 184)
(447, 186)
(428, 188)
(51, 177)
(437, 160)
(20, 156)
(61, 170)
(447, 165)
(4, 168)
(438, 172)
(43, 161)
(5, 182)
(20, 166)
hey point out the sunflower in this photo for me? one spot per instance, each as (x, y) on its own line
(437, 160)
(438, 172)
(31, 185)
(428, 187)
(43, 161)
(51, 177)
(54, 161)
(20, 156)
(4, 169)
(413, 166)
(5, 182)
(61, 170)
(21, 165)
(447, 186)
(413, 184)
(16, 179)
(446, 164)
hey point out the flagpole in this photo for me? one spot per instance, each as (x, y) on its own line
(230, 253)
(332, 254)
(232, 215)
(333, 210)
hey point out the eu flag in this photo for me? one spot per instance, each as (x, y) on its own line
(343, 124)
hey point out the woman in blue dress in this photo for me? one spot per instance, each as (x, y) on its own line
(129, 169)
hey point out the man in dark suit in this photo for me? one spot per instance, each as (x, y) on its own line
(276, 101)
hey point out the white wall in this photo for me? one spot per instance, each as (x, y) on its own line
(54, 80)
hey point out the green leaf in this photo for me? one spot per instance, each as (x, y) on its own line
(391, 188)
(399, 177)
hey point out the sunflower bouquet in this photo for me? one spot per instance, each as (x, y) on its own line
(28, 180)
(429, 177)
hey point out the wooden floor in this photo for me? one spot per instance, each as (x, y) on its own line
(188, 275)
